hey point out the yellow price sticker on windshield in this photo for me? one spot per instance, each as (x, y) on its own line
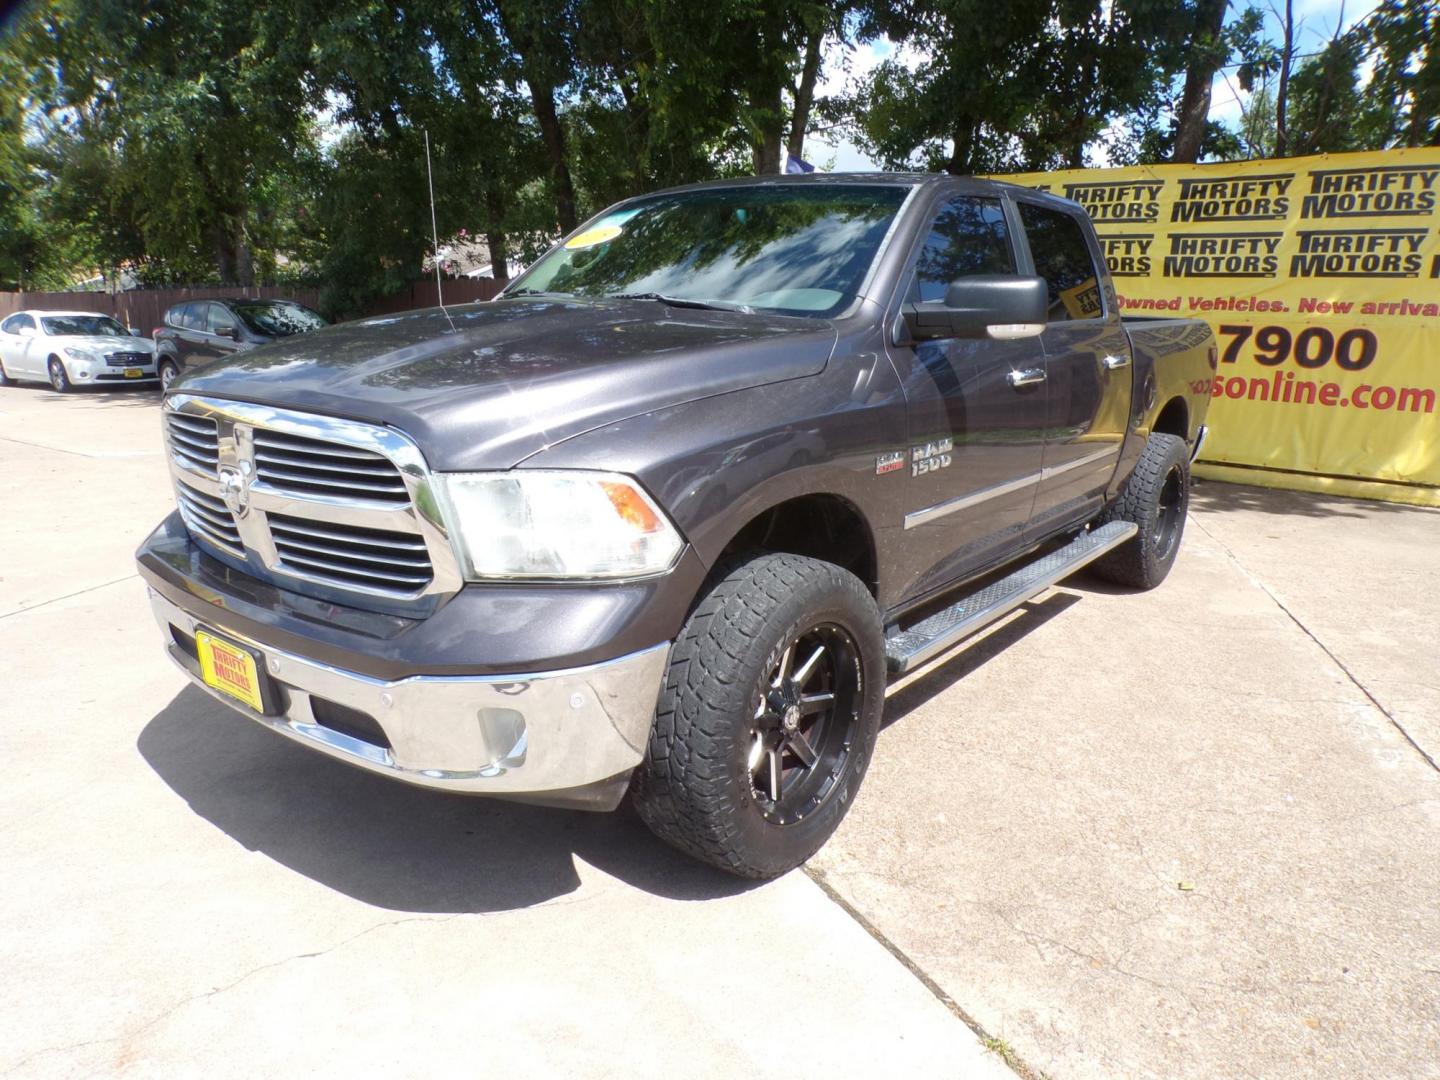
(590, 237)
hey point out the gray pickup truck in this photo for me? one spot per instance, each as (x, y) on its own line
(663, 518)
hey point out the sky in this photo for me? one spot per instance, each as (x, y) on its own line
(1316, 21)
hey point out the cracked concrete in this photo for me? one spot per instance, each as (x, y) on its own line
(1179, 834)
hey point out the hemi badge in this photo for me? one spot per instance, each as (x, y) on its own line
(894, 461)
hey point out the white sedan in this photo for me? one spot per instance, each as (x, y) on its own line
(73, 348)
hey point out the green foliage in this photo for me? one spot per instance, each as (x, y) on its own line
(1257, 126)
(21, 231)
(1025, 85)
(238, 140)
(1402, 100)
(1327, 113)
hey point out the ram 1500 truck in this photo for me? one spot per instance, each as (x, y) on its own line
(663, 517)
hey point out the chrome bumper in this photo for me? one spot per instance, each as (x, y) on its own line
(555, 732)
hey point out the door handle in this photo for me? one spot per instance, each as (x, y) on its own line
(1029, 377)
(1113, 362)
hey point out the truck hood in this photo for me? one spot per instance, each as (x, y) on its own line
(484, 386)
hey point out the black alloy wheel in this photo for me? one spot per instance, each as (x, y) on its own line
(767, 716)
(1155, 499)
(1170, 513)
(805, 724)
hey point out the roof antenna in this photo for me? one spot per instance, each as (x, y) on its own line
(434, 231)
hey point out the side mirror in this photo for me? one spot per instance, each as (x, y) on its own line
(1002, 306)
(225, 330)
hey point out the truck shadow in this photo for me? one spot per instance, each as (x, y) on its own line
(392, 845)
(938, 675)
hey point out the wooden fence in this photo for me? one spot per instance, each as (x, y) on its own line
(143, 309)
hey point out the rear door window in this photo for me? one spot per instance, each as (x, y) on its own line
(192, 317)
(968, 236)
(1062, 258)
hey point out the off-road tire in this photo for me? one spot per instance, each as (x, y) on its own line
(59, 377)
(1156, 498)
(694, 789)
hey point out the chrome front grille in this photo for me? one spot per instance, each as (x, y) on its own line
(334, 508)
(127, 359)
(348, 555)
(196, 440)
(207, 516)
(304, 465)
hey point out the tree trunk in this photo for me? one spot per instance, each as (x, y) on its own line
(1195, 99)
(959, 163)
(495, 238)
(244, 258)
(553, 134)
(224, 242)
(1282, 134)
(770, 118)
(805, 96)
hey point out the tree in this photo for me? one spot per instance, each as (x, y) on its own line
(1403, 96)
(1326, 114)
(1023, 85)
(1282, 90)
(1208, 52)
(539, 35)
(172, 115)
(1258, 127)
(743, 59)
(21, 244)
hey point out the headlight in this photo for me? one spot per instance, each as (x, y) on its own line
(79, 354)
(554, 524)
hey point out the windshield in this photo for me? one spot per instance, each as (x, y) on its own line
(798, 250)
(83, 325)
(279, 318)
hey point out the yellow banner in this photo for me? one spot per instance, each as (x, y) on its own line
(1321, 279)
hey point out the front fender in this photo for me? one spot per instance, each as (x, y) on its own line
(716, 465)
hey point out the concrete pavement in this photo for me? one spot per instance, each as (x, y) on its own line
(183, 893)
(1175, 834)
(1188, 833)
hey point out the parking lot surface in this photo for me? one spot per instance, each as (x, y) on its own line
(1185, 833)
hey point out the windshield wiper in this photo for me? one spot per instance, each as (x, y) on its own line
(683, 301)
(534, 292)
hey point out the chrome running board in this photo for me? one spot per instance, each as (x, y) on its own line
(932, 635)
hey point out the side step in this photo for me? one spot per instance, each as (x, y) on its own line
(908, 648)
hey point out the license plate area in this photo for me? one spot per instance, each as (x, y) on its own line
(235, 670)
(133, 373)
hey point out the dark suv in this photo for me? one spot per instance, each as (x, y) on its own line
(199, 331)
